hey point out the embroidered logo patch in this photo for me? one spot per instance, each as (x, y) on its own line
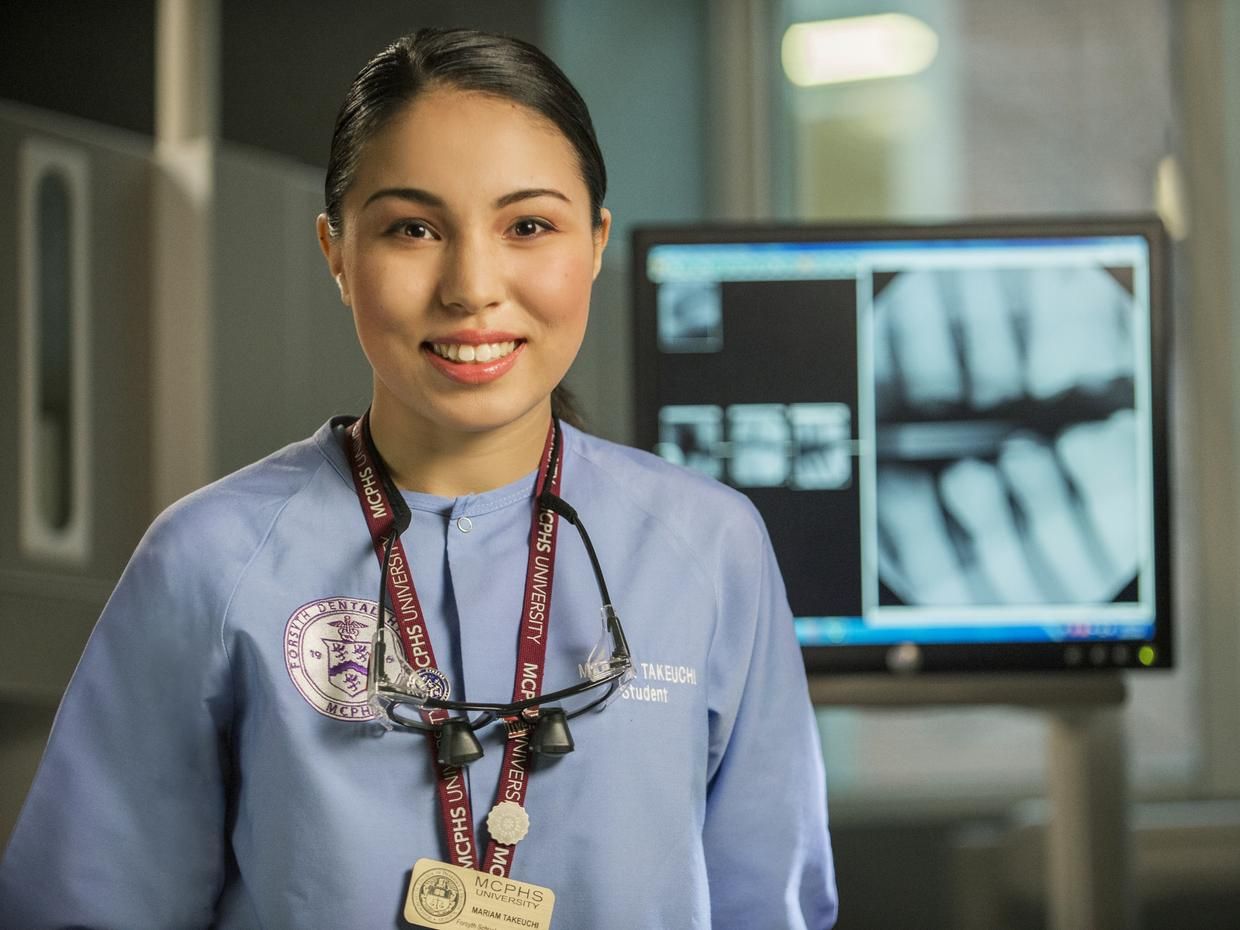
(327, 646)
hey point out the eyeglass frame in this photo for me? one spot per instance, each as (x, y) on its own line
(619, 664)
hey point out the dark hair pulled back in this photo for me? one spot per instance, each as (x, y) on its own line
(465, 60)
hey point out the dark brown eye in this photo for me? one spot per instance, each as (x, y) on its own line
(415, 230)
(526, 228)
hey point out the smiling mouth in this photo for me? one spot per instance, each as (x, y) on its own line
(474, 354)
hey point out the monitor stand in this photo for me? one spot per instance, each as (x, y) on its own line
(1088, 845)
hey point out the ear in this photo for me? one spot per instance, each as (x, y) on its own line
(332, 252)
(601, 235)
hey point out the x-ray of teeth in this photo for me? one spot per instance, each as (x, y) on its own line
(978, 338)
(760, 441)
(1006, 437)
(1041, 524)
(692, 436)
(807, 447)
(690, 316)
(822, 447)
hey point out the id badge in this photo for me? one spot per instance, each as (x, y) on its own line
(447, 897)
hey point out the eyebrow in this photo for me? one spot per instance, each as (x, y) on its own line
(529, 194)
(426, 198)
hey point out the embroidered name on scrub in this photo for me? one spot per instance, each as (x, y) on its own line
(653, 675)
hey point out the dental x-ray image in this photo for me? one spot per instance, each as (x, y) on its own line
(1006, 437)
(760, 442)
(690, 316)
(692, 435)
(822, 446)
(807, 447)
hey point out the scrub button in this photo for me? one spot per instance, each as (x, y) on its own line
(464, 524)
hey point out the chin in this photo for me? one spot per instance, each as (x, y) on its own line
(482, 416)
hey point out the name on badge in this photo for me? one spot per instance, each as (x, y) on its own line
(443, 896)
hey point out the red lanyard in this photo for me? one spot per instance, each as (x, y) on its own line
(454, 804)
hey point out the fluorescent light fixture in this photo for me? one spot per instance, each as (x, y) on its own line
(859, 48)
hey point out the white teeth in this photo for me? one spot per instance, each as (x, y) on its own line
(486, 352)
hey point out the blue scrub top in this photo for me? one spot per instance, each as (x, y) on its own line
(213, 763)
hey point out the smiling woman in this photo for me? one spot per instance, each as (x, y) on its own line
(293, 706)
(469, 279)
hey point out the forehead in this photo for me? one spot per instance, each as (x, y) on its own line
(451, 141)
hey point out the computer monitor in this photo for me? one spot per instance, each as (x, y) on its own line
(956, 434)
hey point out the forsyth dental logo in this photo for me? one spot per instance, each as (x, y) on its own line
(327, 651)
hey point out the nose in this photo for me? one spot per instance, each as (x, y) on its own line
(471, 278)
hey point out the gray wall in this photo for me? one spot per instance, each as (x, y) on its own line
(92, 60)
(287, 63)
(284, 355)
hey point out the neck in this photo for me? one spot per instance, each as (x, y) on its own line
(423, 456)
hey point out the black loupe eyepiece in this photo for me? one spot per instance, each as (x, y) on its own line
(551, 736)
(457, 744)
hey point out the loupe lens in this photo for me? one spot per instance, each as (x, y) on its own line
(457, 744)
(551, 736)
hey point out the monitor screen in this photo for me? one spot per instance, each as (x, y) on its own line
(955, 434)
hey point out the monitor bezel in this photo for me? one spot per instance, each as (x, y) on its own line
(963, 657)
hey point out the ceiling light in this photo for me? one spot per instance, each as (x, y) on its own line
(859, 48)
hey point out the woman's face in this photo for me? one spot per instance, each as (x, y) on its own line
(467, 255)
